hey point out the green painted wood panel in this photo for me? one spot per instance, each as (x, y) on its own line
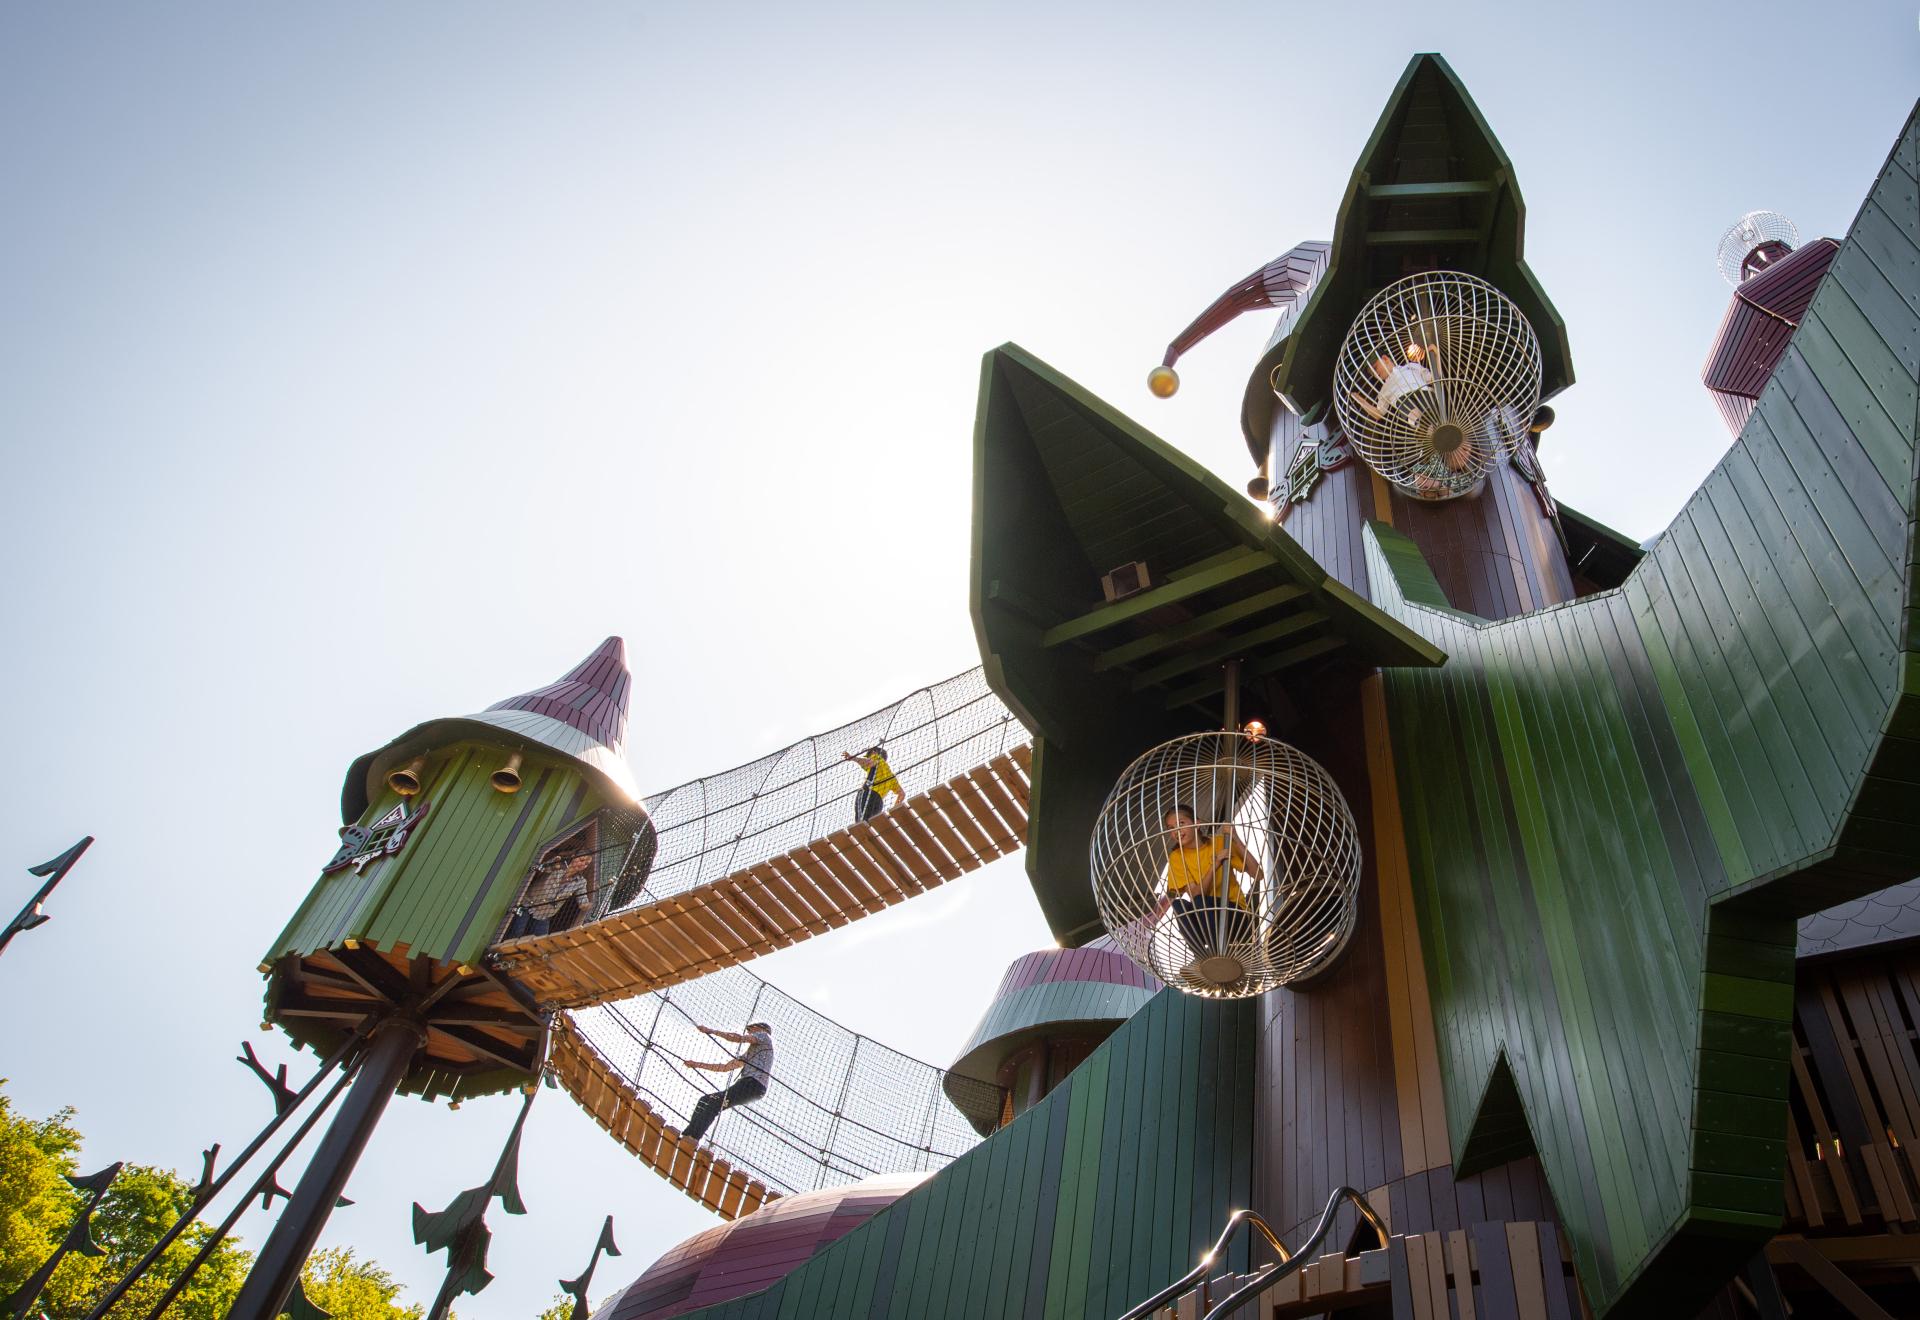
(1616, 808)
(1067, 1211)
(446, 892)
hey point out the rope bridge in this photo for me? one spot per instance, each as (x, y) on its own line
(841, 1106)
(761, 856)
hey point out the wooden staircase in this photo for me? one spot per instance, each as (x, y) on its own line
(932, 837)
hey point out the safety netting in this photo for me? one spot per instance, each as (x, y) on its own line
(840, 1107)
(723, 823)
(726, 822)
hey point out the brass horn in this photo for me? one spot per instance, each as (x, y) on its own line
(405, 779)
(507, 778)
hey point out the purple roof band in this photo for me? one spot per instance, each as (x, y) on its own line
(592, 698)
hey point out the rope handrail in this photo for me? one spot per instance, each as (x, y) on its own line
(752, 812)
(841, 1105)
(722, 823)
(1288, 1262)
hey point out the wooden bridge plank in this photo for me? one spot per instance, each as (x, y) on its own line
(974, 817)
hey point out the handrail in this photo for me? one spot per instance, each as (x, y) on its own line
(1288, 1262)
(1287, 1266)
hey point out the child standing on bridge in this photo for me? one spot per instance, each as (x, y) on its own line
(756, 1074)
(871, 800)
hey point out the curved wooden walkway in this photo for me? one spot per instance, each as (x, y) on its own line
(698, 1171)
(932, 837)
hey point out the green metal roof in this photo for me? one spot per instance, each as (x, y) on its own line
(1433, 189)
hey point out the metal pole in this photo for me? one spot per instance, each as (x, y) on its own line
(1233, 695)
(264, 1295)
(179, 1225)
(266, 1178)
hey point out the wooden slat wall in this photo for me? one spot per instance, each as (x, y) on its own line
(1582, 788)
(1103, 1192)
(1350, 1088)
(1330, 523)
(445, 893)
(932, 837)
(1853, 1160)
(1495, 555)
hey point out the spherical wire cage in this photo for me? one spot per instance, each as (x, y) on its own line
(1751, 242)
(1437, 381)
(1227, 864)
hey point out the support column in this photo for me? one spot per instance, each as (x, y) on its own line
(264, 1295)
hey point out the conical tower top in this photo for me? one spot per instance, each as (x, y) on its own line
(591, 699)
(582, 716)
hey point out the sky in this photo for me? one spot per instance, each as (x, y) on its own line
(361, 364)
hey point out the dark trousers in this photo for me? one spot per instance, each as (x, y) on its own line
(1212, 924)
(867, 804)
(743, 1092)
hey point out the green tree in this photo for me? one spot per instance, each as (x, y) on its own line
(353, 1289)
(562, 1309)
(37, 1207)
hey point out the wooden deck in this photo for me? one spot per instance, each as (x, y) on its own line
(705, 1176)
(932, 837)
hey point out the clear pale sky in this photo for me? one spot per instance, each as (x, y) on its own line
(361, 364)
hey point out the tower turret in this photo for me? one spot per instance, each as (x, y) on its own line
(523, 813)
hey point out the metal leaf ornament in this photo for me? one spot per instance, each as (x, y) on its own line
(79, 1237)
(577, 1288)
(461, 1229)
(302, 1307)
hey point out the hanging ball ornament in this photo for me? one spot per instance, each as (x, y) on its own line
(1163, 381)
(1437, 382)
(1227, 864)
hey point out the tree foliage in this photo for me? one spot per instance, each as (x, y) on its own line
(350, 1289)
(37, 1207)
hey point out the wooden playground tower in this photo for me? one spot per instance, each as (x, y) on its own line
(1590, 1047)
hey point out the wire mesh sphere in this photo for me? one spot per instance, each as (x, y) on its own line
(1227, 864)
(1752, 241)
(1437, 381)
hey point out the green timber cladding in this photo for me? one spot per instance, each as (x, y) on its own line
(444, 894)
(1102, 1193)
(1616, 808)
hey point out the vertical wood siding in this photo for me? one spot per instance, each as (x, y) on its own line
(1615, 808)
(1103, 1192)
(445, 893)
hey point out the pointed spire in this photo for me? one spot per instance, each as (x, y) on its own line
(583, 715)
(591, 698)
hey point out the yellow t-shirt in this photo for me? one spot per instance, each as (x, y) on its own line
(880, 777)
(1195, 869)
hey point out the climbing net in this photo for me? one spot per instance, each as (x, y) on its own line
(841, 1106)
(724, 823)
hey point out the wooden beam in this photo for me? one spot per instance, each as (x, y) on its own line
(1182, 588)
(1287, 659)
(1879, 1249)
(347, 1010)
(1240, 645)
(1413, 237)
(1015, 601)
(1198, 626)
(1420, 192)
(1825, 1273)
(486, 1047)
